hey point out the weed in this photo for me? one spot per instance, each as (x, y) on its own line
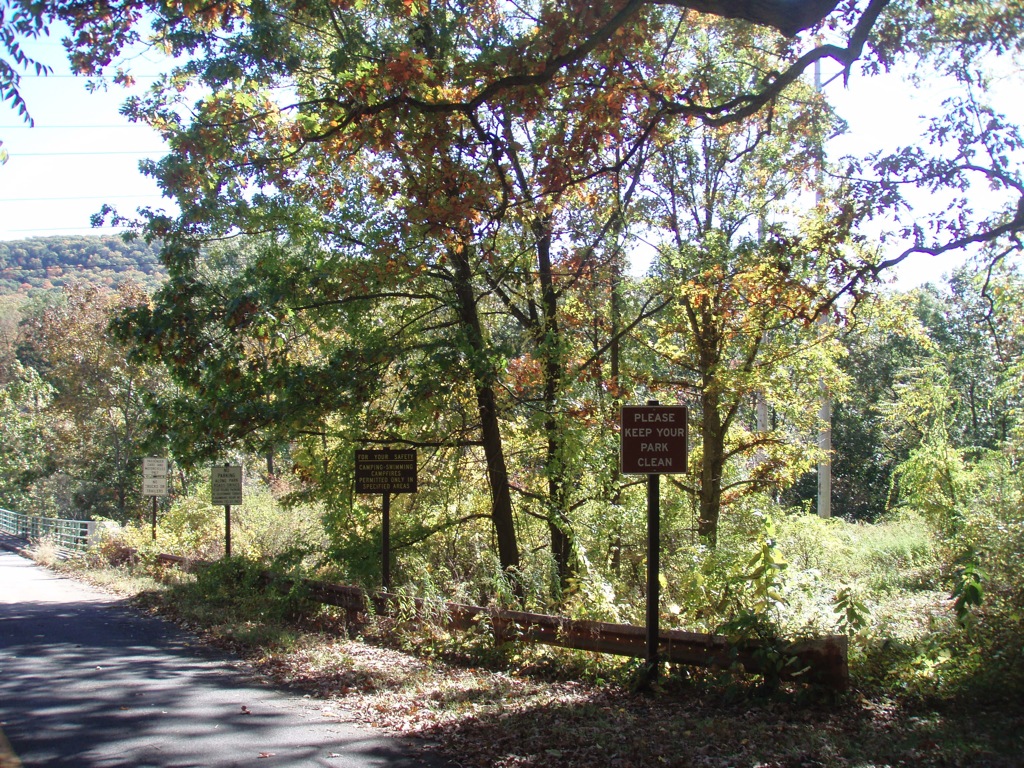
(46, 552)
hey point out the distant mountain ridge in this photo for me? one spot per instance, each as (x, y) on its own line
(48, 263)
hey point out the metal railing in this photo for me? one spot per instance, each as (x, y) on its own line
(67, 534)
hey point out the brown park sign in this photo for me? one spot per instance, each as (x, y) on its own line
(385, 471)
(653, 439)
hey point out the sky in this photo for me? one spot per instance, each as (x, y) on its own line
(83, 154)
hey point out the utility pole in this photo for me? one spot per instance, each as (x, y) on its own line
(760, 401)
(825, 411)
(825, 445)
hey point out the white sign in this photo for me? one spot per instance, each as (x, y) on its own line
(154, 476)
(225, 486)
(154, 467)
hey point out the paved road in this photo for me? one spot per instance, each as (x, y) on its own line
(84, 682)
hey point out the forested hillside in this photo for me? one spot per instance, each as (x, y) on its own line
(45, 263)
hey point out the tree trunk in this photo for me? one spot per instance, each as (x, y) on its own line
(490, 427)
(615, 307)
(549, 345)
(497, 474)
(713, 436)
(708, 339)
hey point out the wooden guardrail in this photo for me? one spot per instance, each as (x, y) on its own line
(820, 660)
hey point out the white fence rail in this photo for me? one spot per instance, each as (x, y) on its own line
(68, 534)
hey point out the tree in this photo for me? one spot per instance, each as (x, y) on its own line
(381, 69)
(11, 308)
(26, 434)
(967, 146)
(97, 405)
(473, 191)
(932, 372)
(883, 338)
(273, 342)
(974, 327)
(19, 20)
(956, 407)
(748, 287)
(470, 126)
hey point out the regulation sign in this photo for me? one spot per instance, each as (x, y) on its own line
(225, 485)
(385, 471)
(154, 476)
(653, 439)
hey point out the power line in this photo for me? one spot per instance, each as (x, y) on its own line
(87, 78)
(80, 197)
(65, 127)
(67, 229)
(15, 155)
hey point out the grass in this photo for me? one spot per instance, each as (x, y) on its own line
(122, 581)
(46, 552)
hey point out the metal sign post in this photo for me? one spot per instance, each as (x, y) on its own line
(653, 443)
(386, 472)
(653, 572)
(226, 490)
(385, 545)
(154, 481)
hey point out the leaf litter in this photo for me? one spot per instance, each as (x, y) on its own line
(504, 718)
(522, 709)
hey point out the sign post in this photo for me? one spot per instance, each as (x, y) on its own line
(653, 443)
(385, 543)
(226, 490)
(154, 481)
(386, 472)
